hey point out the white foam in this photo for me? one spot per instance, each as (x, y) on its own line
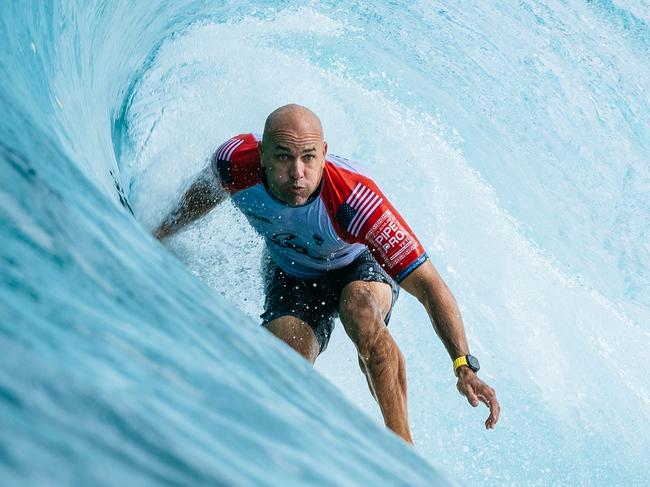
(546, 339)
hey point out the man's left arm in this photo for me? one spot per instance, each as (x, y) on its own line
(426, 284)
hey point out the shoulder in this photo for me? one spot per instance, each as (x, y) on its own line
(351, 197)
(343, 176)
(237, 162)
(362, 213)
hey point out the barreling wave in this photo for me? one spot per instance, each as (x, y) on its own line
(513, 138)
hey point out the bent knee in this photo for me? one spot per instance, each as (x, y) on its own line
(360, 304)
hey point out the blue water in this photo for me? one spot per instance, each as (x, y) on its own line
(513, 136)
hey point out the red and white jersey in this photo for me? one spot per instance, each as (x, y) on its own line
(348, 215)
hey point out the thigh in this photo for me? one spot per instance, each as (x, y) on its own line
(364, 308)
(310, 301)
(296, 333)
(366, 270)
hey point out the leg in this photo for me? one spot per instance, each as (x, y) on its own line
(362, 366)
(363, 307)
(299, 312)
(297, 334)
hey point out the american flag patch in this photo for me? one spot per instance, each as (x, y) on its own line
(227, 148)
(356, 210)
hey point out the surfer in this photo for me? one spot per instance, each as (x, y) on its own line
(335, 246)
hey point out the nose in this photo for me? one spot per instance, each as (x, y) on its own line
(297, 170)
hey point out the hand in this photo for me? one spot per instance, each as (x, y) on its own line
(470, 386)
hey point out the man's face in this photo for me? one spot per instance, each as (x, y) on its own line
(293, 160)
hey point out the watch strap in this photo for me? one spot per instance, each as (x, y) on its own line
(460, 361)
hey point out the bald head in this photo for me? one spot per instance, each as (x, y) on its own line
(293, 121)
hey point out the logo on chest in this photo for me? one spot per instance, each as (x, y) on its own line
(252, 215)
(293, 242)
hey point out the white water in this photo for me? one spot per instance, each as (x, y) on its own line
(548, 339)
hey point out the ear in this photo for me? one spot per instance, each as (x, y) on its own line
(324, 148)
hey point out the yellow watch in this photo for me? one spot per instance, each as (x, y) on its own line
(468, 360)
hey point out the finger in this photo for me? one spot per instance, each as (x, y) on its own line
(468, 391)
(488, 396)
(492, 420)
(495, 411)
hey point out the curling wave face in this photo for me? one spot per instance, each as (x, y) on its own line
(512, 138)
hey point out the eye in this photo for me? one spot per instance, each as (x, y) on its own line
(309, 157)
(282, 157)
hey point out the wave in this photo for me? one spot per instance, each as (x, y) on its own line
(512, 137)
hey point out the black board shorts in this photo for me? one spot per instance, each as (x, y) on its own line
(316, 301)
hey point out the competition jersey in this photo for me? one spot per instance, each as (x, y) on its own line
(348, 215)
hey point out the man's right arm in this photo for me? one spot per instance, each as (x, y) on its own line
(202, 196)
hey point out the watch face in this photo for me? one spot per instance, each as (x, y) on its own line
(472, 361)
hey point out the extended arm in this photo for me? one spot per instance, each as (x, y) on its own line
(428, 286)
(201, 197)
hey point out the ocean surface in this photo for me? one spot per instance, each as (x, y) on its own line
(513, 136)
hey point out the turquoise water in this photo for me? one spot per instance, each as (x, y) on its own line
(514, 138)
